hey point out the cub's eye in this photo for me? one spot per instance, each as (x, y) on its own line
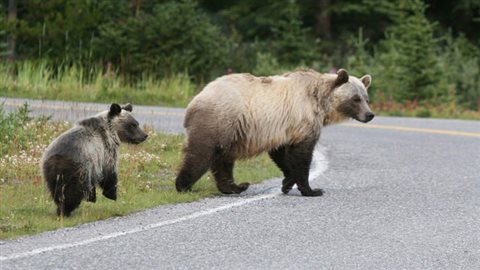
(357, 99)
(133, 125)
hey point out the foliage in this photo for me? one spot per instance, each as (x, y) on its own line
(14, 129)
(143, 43)
(408, 56)
(415, 49)
(460, 61)
(41, 81)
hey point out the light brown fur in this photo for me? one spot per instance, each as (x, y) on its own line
(241, 115)
(251, 117)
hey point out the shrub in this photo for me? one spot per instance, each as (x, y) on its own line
(175, 37)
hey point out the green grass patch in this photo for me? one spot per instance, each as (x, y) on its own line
(146, 177)
(38, 80)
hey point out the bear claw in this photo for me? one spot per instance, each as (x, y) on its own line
(287, 185)
(110, 194)
(233, 188)
(312, 192)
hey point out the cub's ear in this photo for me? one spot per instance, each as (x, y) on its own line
(366, 80)
(115, 110)
(128, 107)
(342, 77)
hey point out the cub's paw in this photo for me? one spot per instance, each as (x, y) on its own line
(312, 192)
(110, 194)
(92, 197)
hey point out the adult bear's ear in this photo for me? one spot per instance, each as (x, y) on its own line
(366, 80)
(342, 77)
(115, 110)
(128, 107)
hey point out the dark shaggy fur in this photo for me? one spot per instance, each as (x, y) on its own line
(86, 156)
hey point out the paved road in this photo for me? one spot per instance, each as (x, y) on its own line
(163, 119)
(400, 194)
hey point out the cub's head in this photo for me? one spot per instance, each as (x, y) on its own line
(125, 125)
(350, 98)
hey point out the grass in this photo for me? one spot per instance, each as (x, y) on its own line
(38, 80)
(146, 177)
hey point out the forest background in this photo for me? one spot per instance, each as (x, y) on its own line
(424, 56)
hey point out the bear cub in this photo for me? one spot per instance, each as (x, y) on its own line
(86, 155)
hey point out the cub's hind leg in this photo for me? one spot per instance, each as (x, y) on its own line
(67, 194)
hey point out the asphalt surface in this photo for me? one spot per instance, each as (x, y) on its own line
(395, 199)
(163, 119)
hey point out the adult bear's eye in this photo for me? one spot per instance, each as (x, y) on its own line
(357, 99)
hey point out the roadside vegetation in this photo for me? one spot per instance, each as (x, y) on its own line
(146, 177)
(39, 80)
(162, 52)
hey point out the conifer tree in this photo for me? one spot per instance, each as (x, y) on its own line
(408, 58)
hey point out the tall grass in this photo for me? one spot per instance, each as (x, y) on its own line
(40, 80)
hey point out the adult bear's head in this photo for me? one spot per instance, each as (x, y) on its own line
(350, 97)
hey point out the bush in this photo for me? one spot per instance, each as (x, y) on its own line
(408, 65)
(14, 129)
(460, 61)
(424, 112)
(175, 37)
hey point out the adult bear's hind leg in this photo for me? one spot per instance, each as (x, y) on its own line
(222, 170)
(197, 161)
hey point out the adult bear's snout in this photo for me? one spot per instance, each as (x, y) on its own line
(369, 116)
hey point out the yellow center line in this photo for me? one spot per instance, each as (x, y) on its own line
(421, 130)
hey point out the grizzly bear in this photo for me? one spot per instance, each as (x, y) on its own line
(239, 116)
(86, 155)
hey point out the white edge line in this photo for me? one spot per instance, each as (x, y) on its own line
(138, 229)
(319, 158)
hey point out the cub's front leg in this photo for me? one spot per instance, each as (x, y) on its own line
(109, 185)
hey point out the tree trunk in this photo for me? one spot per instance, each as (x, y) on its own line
(11, 40)
(322, 26)
(135, 7)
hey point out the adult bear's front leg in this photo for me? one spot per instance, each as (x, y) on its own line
(278, 155)
(299, 157)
